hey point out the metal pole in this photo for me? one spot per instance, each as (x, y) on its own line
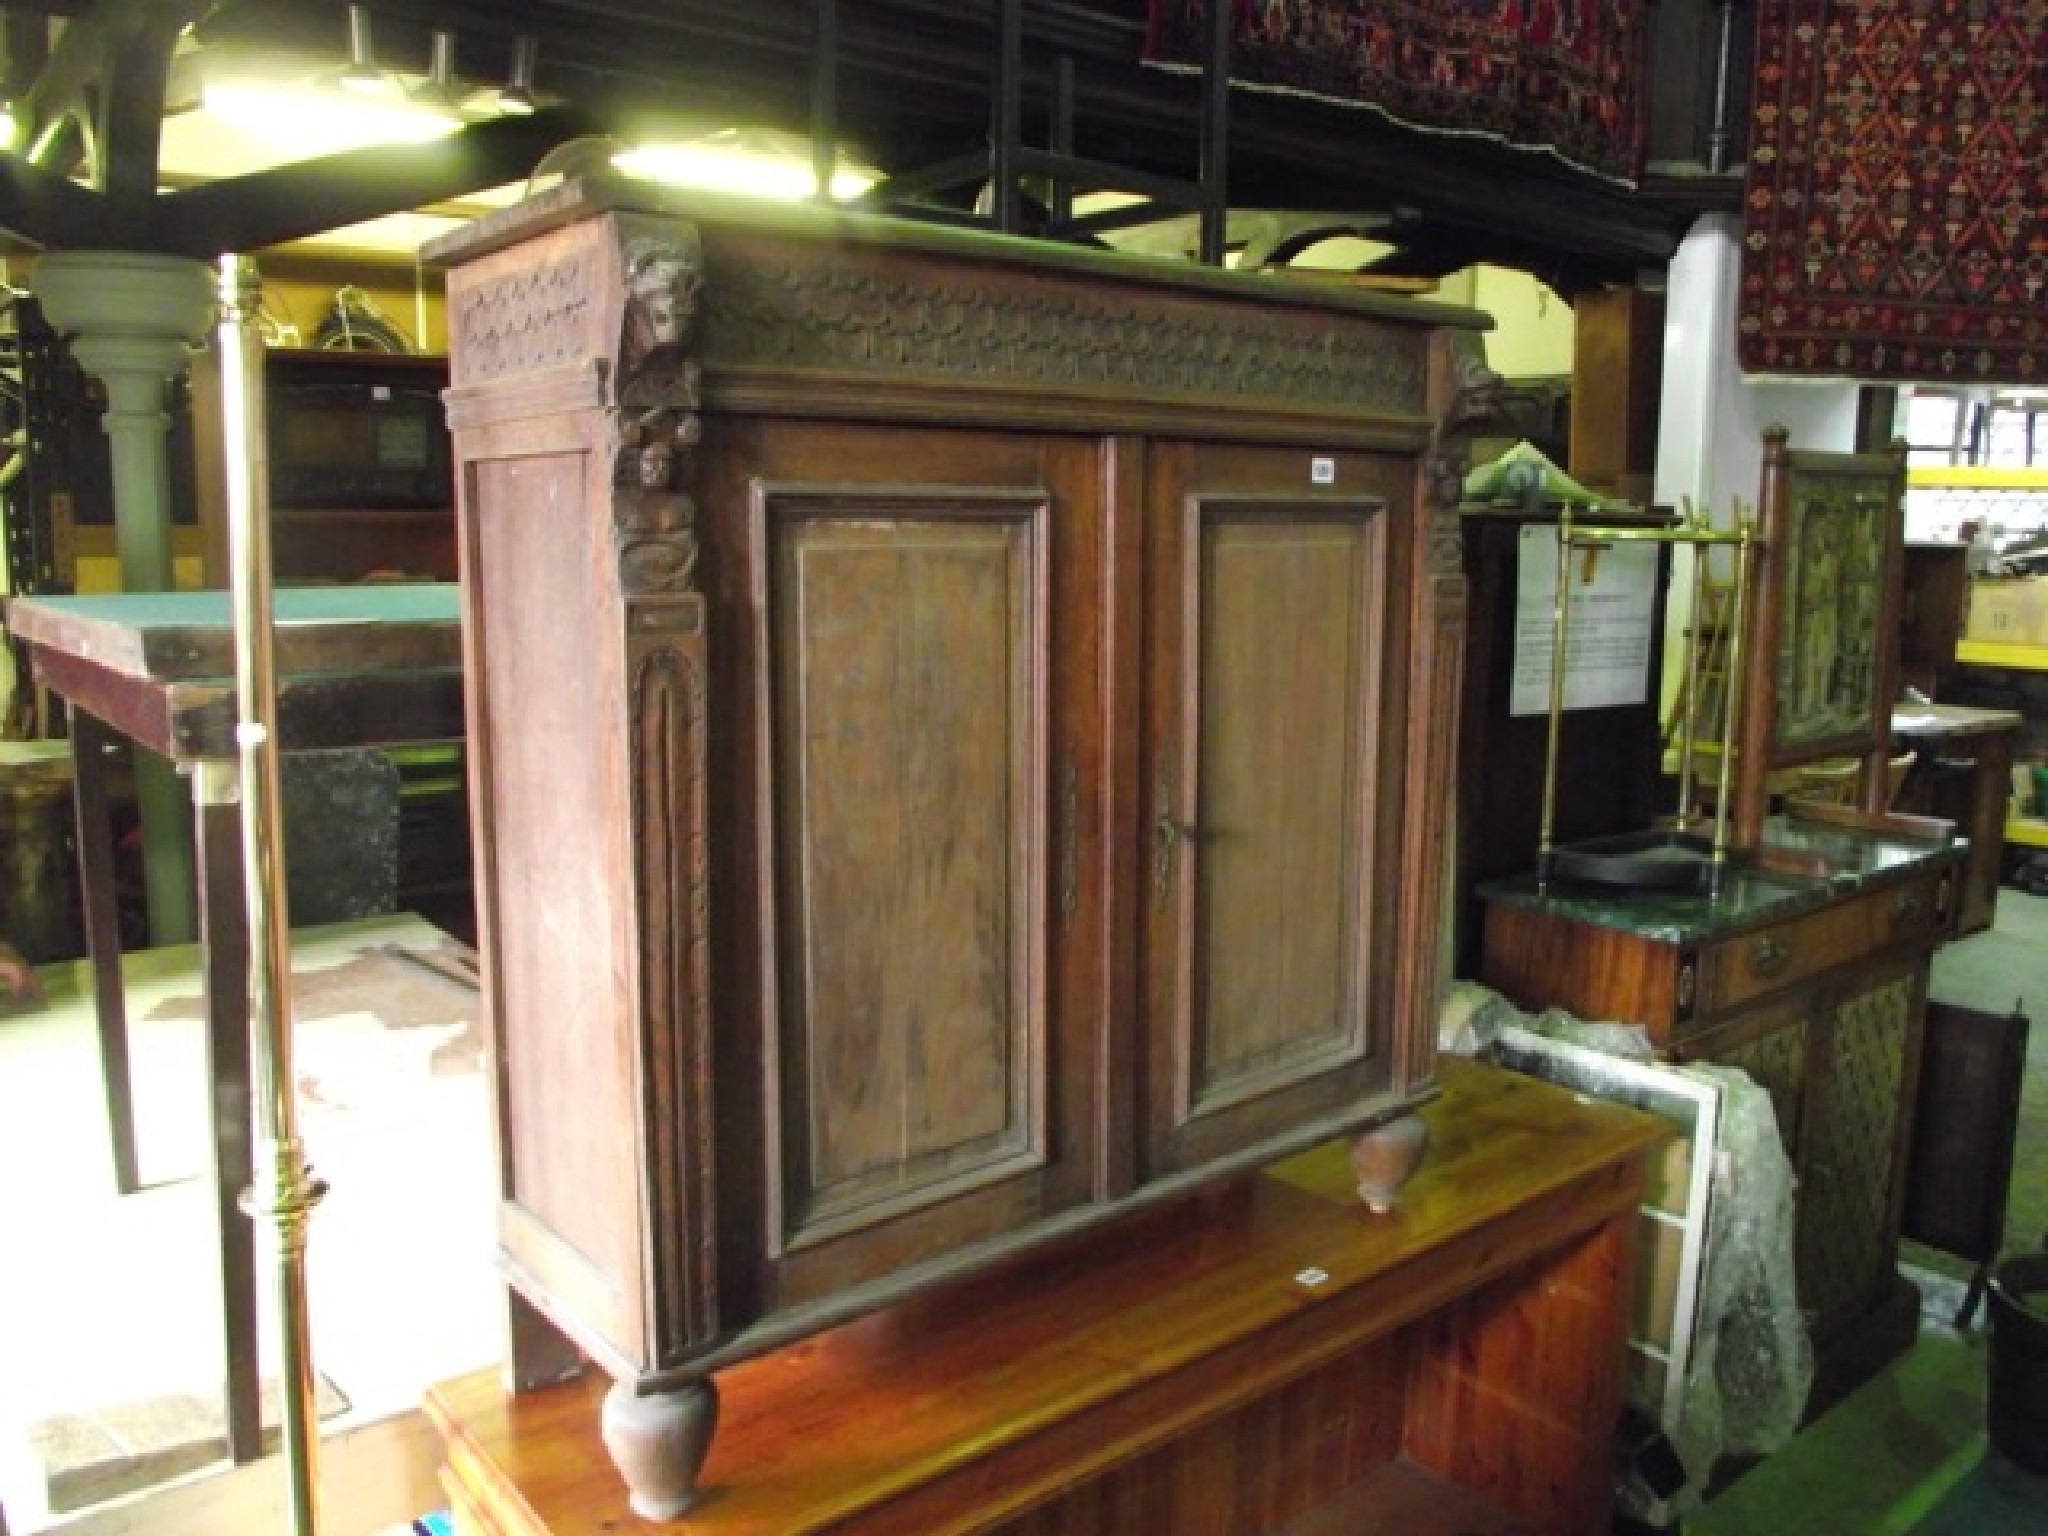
(1737, 657)
(285, 1192)
(1689, 717)
(1560, 646)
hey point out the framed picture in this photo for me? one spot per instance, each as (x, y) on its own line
(1842, 521)
(1671, 1251)
(1822, 672)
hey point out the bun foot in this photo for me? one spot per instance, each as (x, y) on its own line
(1386, 1157)
(658, 1441)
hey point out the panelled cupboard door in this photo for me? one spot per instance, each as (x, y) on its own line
(919, 1003)
(1852, 1147)
(1270, 790)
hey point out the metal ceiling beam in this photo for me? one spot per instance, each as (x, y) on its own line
(104, 76)
(266, 208)
(48, 211)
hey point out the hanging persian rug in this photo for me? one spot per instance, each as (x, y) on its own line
(1895, 216)
(1565, 77)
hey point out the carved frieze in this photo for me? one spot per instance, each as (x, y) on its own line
(808, 310)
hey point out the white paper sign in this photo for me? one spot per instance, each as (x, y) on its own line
(1613, 601)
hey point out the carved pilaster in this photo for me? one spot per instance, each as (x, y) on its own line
(654, 431)
(1466, 393)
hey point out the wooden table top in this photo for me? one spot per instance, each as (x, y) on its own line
(173, 636)
(357, 666)
(1011, 1384)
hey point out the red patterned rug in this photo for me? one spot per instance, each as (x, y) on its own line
(1895, 221)
(1564, 76)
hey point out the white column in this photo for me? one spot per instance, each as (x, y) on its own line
(132, 320)
(1712, 415)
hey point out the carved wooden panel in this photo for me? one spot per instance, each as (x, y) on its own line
(818, 310)
(1263, 788)
(906, 650)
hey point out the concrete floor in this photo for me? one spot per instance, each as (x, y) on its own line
(109, 1306)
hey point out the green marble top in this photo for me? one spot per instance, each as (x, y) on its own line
(1800, 865)
(368, 603)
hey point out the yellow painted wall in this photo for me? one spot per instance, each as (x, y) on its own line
(299, 289)
(1533, 328)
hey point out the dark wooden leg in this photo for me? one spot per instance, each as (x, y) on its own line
(537, 1353)
(89, 742)
(224, 948)
(658, 1441)
(1980, 1277)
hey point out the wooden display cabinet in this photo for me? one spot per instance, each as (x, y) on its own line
(961, 736)
(357, 462)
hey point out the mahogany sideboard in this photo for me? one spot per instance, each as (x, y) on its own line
(961, 741)
(1264, 1358)
(1810, 973)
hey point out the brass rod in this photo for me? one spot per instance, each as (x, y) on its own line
(1688, 720)
(1736, 656)
(1594, 533)
(1560, 626)
(285, 1192)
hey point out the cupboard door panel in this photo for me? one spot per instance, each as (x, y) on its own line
(906, 753)
(1284, 691)
(913, 779)
(1851, 1171)
(1269, 798)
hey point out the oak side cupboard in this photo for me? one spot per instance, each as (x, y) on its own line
(961, 739)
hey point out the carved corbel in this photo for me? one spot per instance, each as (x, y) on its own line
(655, 426)
(1474, 401)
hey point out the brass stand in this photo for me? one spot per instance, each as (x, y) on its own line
(1571, 538)
(285, 1192)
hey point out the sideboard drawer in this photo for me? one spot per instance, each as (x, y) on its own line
(1737, 970)
(1914, 913)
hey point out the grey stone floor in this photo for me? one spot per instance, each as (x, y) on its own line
(110, 1341)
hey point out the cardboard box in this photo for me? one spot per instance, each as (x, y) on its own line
(2007, 610)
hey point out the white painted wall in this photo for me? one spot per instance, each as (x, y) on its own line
(1712, 416)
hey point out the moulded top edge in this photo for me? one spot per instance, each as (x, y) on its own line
(586, 197)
